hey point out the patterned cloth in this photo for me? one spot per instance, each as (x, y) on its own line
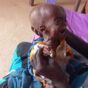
(23, 77)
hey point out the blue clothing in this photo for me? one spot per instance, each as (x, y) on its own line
(23, 77)
(79, 80)
(19, 76)
(16, 61)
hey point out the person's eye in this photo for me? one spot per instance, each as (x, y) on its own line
(34, 30)
(58, 21)
(42, 28)
(38, 33)
(62, 31)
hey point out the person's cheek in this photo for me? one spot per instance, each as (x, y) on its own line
(52, 33)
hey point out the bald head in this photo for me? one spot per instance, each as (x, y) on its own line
(40, 14)
(48, 21)
(47, 9)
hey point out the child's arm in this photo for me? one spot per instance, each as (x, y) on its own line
(46, 66)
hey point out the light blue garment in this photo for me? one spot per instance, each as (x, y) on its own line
(21, 78)
(2, 80)
(16, 62)
(79, 80)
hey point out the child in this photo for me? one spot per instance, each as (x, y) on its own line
(56, 23)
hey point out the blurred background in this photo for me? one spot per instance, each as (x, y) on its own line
(15, 26)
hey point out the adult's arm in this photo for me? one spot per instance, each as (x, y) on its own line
(77, 31)
(78, 44)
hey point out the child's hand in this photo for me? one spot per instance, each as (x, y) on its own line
(39, 60)
(46, 50)
(48, 68)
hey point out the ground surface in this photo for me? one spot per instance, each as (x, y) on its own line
(15, 27)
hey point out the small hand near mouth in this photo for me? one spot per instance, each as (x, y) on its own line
(47, 67)
(46, 50)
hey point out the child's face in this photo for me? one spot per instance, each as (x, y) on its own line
(53, 31)
(49, 25)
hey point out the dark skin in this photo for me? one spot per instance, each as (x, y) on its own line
(49, 22)
(46, 66)
(42, 28)
(51, 26)
(31, 2)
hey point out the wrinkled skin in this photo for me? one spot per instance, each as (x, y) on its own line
(49, 24)
(49, 21)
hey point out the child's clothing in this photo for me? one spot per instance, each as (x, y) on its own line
(22, 76)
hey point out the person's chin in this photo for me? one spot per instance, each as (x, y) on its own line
(53, 45)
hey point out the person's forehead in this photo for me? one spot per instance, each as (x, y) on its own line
(47, 10)
(38, 19)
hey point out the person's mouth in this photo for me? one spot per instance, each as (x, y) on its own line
(53, 45)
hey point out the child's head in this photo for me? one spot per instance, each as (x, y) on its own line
(49, 21)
